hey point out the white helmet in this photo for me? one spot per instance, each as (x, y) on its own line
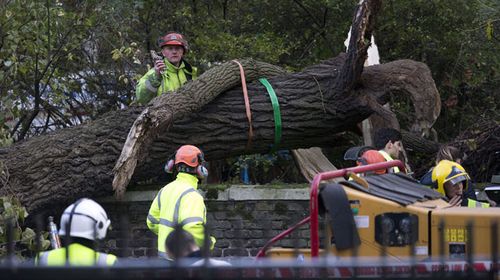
(86, 219)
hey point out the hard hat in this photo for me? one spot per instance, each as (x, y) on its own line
(189, 155)
(192, 157)
(86, 219)
(448, 171)
(371, 157)
(173, 39)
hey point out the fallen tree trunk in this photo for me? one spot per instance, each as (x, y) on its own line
(318, 105)
(78, 161)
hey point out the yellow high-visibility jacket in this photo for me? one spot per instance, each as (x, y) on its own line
(471, 203)
(79, 255)
(388, 157)
(150, 86)
(178, 203)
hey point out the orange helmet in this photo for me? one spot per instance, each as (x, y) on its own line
(189, 155)
(370, 157)
(173, 39)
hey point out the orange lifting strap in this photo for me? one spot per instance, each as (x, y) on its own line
(247, 103)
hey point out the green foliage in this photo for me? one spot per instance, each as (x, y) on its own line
(11, 211)
(62, 63)
(456, 40)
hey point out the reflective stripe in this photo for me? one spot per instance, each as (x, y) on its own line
(153, 219)
(44, 258)
(149, 86)
(101, 260)
(159, 200)
(167, 223)
(471, 203)
(178, 204)
(173, 223)
(388, 157)
(191, 220)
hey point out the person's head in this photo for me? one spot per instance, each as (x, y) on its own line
(450, 178)
(451, 190)
(188, 159)
(371, 157)
(389, 140)
(85, 219)
(450, 153)
(173, 47)
(180, 244)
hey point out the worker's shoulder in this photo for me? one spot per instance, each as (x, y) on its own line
(182, 187)
(110, 257)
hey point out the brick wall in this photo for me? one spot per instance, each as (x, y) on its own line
(241, 219)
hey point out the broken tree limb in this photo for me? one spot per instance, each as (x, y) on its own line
(78, 161)
(163, 110)
(311, 116)
(363, 24)
(159, 114)
(75, 162)
(312, 161)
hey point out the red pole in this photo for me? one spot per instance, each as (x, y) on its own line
(262, 252)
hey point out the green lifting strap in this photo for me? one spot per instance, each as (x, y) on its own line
(276, 110)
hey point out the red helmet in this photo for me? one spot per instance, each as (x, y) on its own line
(173, 39)
(189, 155)
(370, 157)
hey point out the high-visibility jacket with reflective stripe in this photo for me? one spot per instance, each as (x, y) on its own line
(79, 255)
(388, 157)
(178, 203)
(172, 78)
(471, 203)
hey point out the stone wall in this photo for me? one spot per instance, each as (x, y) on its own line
(242, 219)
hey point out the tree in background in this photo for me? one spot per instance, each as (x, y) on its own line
(457, 40)
(64, 62)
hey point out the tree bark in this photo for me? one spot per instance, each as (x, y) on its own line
(159, 114)
(318, 105)
(78, 161)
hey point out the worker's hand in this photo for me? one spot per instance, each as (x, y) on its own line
(456, 201)
(491, 202)
(159, 67)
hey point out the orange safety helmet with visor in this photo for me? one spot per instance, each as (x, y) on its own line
(190, 159)
(173, 39)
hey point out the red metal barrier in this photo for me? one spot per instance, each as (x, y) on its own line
(313, 199)
(313, 202)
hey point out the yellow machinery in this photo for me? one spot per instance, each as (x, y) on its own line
(394, 216)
